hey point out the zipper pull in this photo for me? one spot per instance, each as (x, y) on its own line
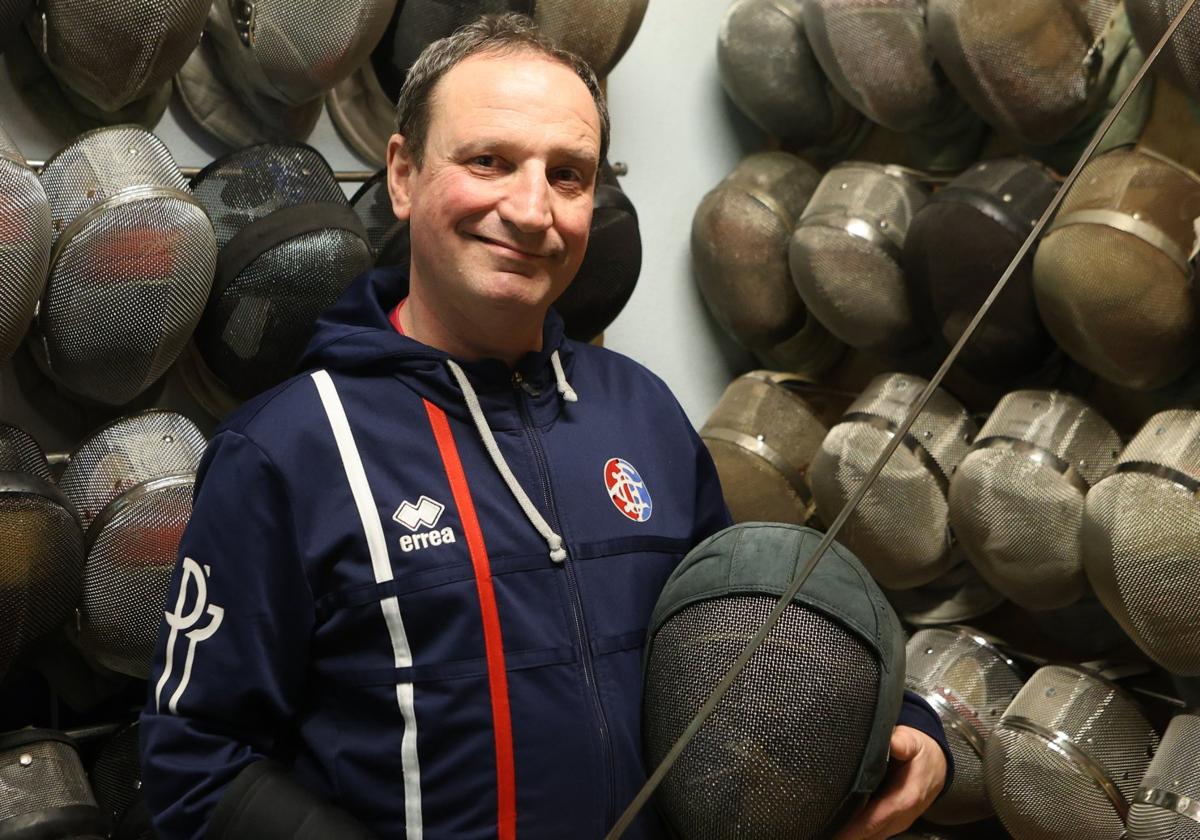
(519, 381)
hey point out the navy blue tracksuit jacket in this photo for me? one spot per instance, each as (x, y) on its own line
(360, 595)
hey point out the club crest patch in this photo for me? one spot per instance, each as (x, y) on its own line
(627, 490)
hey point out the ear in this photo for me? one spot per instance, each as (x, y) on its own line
(399, 169)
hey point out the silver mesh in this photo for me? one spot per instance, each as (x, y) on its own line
(876, 54)
(1066, 737)
(131, 266)
(24, 246)
(19, 452)
(116, 777)
(598, 31)
(739, 254)
(114, 55)
(844, 255)
(1167, 805)
(959, 245)
(762, 436)
(900, 531)
(43, 778)
(8, 148)
(387, 235)
(1139, 540)
(1023, 65)
(1112, 277)
(769, 71)
(957, 596)
(255, 327)
(969, 683)
(1016, 500)
(1180, 58)
(780, 753)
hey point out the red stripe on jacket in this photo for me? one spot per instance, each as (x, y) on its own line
(506, 782)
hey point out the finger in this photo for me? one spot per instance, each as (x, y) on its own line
(905, 744)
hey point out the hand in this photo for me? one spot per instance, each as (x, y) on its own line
(916, 774)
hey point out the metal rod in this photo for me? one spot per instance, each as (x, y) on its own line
(348, 176)
(722, 688)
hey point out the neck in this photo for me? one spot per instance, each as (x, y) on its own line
(469, 336)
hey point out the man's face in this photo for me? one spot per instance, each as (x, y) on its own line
(500, 209)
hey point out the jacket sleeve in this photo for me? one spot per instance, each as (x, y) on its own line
(233, 644)
(920, 716)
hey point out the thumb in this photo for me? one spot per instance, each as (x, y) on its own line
(905, 744)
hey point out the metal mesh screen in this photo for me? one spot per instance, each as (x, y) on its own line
(762, 437)
(1139, 533)
(957, 596)
(599, 31)
(1180, 59)
(127, 453)
(373, 205)
(768, 69)
(1066, 737)
(959, 245)
(900, 530)
(1023, 65)
(116, 776)
(19, 452)
(1165, 805)
(779, 755)
(113, 55)
(39, 777)
(1111, 276)
(970, 684)
(24, 250)
(844, 255)
(1016, 500)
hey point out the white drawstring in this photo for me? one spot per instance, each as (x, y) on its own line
(560, 378)
(555, 543)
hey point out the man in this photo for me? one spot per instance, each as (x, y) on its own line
(419, 576)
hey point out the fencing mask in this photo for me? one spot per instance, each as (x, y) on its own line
(1016, 500)
(1111, 275)
(1140, 529)
(387, 235)
(762, 437)
(1180, 58)
(43, 789)
(739, 254)
(969, 683)
(958, 246)
(1167, 804)
(41, 548)
(290, 244)
(24, 245)
(598, 31)
(845, 255)
(957, 596)
(768, 69)
(130, 267)
(900, 530)
(116, 777)
(131, 482)
(801, 739)
(1067, 757)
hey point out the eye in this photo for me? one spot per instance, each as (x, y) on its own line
(485, 161)
(568, 176)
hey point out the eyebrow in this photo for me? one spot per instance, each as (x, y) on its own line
(577, 155)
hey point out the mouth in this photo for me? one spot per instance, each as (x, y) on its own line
(509, 250)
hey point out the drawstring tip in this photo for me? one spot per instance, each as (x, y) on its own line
(558, 555)
(568, 394)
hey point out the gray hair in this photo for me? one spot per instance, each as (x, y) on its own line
(492, 34)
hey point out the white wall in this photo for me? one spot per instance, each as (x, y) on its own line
(672, 126)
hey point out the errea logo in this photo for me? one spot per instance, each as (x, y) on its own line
(426, 512)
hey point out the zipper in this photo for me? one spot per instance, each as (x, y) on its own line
(581, 632)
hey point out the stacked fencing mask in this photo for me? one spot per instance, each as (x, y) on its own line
(116, 777)
(290, 244)
(762, 436)
(957, 596)
(131, 482)
(876, 54)
(959, 245)
(1033, 69)
(24, 245)
(41, 548)
(739, 253)
(801, 739)
(598, 31)
(1111, 275)
(277, 59)
(1141, 526)
(44, 791)
(845, 255)
(900, 530)
(969, 683)
(1167, 804)
(769, 71)
(1180, 58)
(1016, 500)
(1067, 757)
(387, 235)
(131, 265)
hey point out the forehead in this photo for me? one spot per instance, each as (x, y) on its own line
(519, 89)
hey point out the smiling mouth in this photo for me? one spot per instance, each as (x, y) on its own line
(506, 247)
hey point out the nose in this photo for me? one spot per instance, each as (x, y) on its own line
(526, 201)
